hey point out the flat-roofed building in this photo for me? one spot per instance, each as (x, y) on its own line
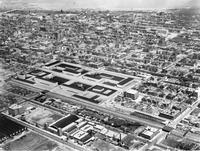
(81, 124)
(133, 94)
(149, 132)
(96, 65)
(65, 124)
(98, 128)
(87, 128)
(81, 136)
(16, 110)
(69, 127)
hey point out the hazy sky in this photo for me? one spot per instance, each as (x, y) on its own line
(106, 4)
(110, 4)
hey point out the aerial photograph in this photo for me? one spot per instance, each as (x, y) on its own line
(99, 75)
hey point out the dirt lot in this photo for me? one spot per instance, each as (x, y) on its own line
(41, 116)
(101, 145)
(31, 142)
(64, 148)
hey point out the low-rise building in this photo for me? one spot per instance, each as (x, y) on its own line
(133, 94)
(149, 133)
(16, 110)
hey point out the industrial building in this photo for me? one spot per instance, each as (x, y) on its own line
(64, 125)
(9, 128)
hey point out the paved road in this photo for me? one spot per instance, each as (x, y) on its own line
(174, 123)
(107, 111)
(186, 112)
(174, 63)
(96, 107)
(45, 133)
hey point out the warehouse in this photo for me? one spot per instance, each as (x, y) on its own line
(9, 128)
(65, 124)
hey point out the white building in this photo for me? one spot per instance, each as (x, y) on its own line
(133, 94)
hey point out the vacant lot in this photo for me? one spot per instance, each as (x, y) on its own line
(64, 148)
(101, 145)
(42, 116)
(31, 142)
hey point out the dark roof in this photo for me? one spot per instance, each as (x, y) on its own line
(147, 117)
(167, 129)
(63, 65)
(78, 86)
(85, 138)
(8, 127)
(125, 81)
(51, 64)
(65, 121)
(55, 79)
(88, 99)
(27, 81)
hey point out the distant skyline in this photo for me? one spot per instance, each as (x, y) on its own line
(100, 4)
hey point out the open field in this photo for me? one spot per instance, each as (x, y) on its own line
(101, 145)
(64, 148)
(41, 116)
(31, 142)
